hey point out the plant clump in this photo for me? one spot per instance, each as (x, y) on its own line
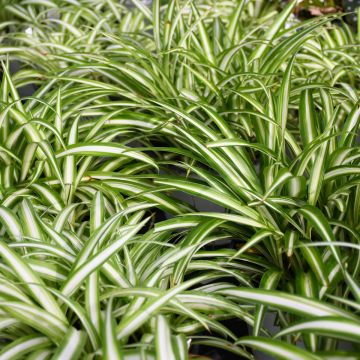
(177, 167)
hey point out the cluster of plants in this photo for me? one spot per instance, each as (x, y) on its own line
(177, 167)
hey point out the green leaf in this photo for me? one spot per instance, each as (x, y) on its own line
(279, 349)
(30, 279)
(163, 342)
(20, 347)
(72, 345)
(286, 302)
(36, 318)
(269, 281)
(344, 329)
(273, 31)
(11, 223)
(111, 347)
(105, 149)
(78, 275)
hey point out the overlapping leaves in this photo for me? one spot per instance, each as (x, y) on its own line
(228, 103)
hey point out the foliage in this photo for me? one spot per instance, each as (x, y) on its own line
(229, 102)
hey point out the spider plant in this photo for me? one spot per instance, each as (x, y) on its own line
(231, 102)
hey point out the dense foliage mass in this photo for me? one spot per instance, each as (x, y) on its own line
(250, 113)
